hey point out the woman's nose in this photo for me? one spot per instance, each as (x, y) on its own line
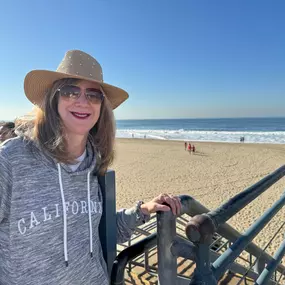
(82, 98)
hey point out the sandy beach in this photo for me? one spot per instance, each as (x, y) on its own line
(216, 172)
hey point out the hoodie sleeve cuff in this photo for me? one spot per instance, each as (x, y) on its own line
(134, 216)
(128, 220)
(141, 218)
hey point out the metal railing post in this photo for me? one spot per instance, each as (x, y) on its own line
(167, 262)
(259, 265)
(108, 227)
(200, 231)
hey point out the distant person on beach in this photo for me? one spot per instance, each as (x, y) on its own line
(189, 148)
(185, 145)
(7, 131)
(193, 149)
(51, 201)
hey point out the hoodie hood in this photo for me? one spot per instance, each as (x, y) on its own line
(89, 164)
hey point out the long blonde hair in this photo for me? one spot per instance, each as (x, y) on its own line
(46, 127)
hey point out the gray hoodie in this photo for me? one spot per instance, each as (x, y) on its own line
(45, 222)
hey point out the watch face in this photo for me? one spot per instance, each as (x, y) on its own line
(140, 215)
(140, 203)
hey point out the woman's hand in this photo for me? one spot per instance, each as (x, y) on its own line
(156, 204)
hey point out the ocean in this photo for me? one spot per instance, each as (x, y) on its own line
(254, 130)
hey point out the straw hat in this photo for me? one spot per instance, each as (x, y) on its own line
(75, 64)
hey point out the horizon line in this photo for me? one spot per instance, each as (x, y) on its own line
(204, 118)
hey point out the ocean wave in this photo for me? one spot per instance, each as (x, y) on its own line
(210, 136)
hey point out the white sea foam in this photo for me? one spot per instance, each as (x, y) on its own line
(211, 136)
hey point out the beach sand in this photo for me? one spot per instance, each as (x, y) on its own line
(216, 172)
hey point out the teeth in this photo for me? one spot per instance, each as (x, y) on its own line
(81, 115)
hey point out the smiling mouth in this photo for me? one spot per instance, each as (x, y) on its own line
(80, 115)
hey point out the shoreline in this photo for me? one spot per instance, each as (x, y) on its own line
(202, 142)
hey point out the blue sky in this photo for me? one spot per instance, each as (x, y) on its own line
(177, 59)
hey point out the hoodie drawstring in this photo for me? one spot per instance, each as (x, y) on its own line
(90, 217)
(64, 215)
(65, 218)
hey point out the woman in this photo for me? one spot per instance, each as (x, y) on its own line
(7, 131)
(50, 200)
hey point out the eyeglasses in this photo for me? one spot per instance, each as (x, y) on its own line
(72, 92)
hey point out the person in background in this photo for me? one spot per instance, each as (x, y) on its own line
(7, 131)
(193, 149)
(50, 198)
(185, 145)
(189, 148)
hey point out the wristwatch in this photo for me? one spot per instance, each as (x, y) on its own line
(141, 217)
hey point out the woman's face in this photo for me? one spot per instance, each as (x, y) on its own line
(79, 115)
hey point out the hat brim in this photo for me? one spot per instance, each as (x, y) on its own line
(37, 82)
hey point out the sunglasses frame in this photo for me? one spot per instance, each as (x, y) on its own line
(75, 97)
